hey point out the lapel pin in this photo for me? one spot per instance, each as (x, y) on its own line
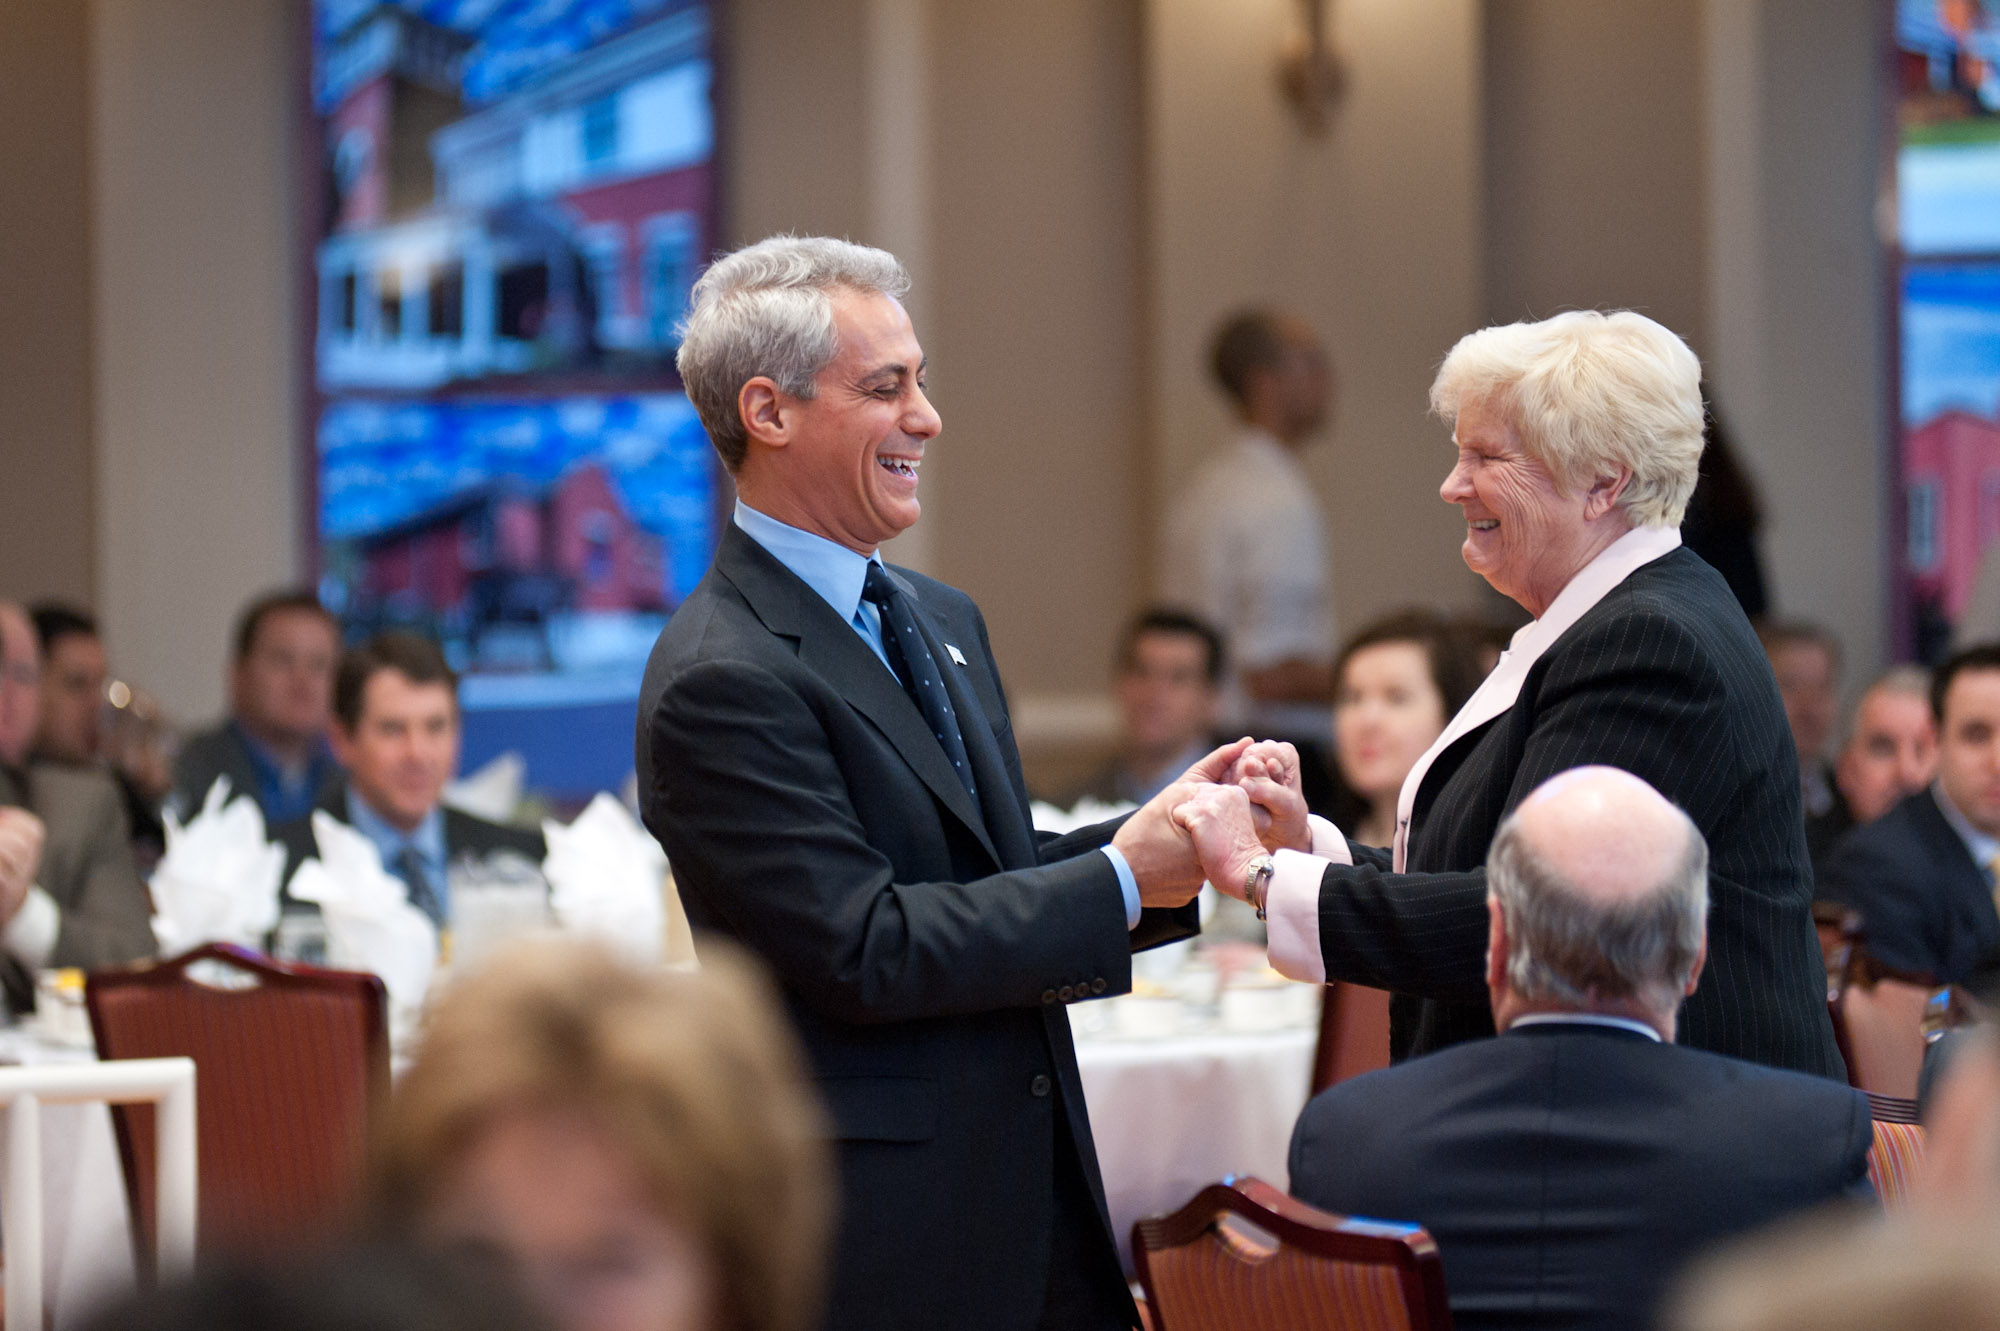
(956, 654)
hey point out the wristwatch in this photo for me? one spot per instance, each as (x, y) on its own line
(1257, 881)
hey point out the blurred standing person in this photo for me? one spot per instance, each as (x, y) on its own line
(641, 1147)
(273, 745)
(1246, 541)
(1725, 517)
(76, 677)
(1168, 688)
(1805, 660)
(1396, 683)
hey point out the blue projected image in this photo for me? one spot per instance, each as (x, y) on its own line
(1948, 167)
(1951, 341)
(519, 195)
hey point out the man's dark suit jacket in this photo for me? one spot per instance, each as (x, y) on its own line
(1568, 1172)
(927, 948)
(464, 835)
(1925, 906)
(1663, 678)
(219, 751)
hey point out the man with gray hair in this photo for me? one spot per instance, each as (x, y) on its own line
(824, 751)
(1569, 1166)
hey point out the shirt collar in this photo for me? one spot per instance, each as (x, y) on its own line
(1587, 1019)
(1982, 847)
(427, 839)
(1593, 582)
(829, 568)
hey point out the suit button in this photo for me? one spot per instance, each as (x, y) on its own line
(1048, 996)
(1066, 993)
(1039, 1087)
(1097, 986)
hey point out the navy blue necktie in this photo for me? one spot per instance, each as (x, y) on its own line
(423, 894)
(912, 661)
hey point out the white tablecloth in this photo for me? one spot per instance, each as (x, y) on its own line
(86, 1229)
(1173, 1115)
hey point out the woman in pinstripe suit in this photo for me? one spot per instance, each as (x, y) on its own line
(1578, 440)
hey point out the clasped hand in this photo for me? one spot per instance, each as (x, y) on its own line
(1233, 805)
(21, 836)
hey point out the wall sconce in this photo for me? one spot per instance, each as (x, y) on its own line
(1310, 71)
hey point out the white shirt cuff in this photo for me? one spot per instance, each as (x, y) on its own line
(1291, 915)
(31, 935)
(1128, 884)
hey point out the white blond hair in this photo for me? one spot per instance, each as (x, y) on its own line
(1589, 393)
(767, 310)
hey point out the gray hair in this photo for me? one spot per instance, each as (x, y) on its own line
(766, 310)
(1563, 947)
(1912, 681)
(1591, 392)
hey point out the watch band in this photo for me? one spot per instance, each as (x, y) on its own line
(1257, 882)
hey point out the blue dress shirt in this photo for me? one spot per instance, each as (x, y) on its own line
(837, 574)
(285, 794)
(427, 840)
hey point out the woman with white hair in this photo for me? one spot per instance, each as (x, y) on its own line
(1578, 441)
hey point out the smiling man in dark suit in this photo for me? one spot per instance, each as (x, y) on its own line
(1921, 875)
(1569, 1167)
(825, 753)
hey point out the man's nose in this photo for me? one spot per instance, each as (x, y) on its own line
(923, 421)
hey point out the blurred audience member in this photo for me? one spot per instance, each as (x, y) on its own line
(1246, 541)
(1569, 1166)
(1840, 1274)
(1167, 686)
(1396, 684)
(273, 745)
(1806, 660)
(640, 1146)
(76, 679)
(1921, 875)
(1724, 517)
(88, 906)
(372, 1289)
(1890, 752)
(396, 731)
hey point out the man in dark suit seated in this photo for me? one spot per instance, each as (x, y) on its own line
(1921, 875)
(396, 731)
(1568, 1166)
(84, 905)
(273, 744)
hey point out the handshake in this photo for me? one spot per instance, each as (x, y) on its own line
(1238, 803)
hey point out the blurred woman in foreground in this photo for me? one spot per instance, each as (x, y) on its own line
(641, 1146)
(1396, 683)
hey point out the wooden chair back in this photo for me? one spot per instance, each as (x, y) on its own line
(1353, 1033)
(291, 1062)
(1243, 1256)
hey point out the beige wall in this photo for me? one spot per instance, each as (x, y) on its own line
(1373, 233)
(195, 275)
(47, 519)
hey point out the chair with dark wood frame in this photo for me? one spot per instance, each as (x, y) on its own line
(291, 1063)
(1203, 1271)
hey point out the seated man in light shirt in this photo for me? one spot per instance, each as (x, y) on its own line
(396, 730)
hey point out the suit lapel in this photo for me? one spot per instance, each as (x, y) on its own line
(833, 650)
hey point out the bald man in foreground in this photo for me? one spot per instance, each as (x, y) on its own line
(1569, 1166)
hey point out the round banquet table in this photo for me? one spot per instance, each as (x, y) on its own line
(86, 1229)
(1175, 1114)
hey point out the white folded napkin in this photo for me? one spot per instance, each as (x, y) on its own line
(218, 881)
(370, 923)
(605, 876)
(493, 792)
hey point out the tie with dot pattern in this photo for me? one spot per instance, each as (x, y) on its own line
(423, 894)
(911, 659)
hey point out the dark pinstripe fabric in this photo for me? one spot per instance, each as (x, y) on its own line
(1665, 679)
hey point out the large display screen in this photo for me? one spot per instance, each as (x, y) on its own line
(517, 195)
(1948, 215)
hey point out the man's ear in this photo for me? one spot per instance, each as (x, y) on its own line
(765, 410)
(340, 742)
(1496, 944)
(1694, 975)
(1605, 492)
